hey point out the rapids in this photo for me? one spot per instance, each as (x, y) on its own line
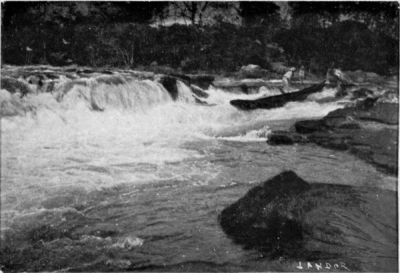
(109, 173)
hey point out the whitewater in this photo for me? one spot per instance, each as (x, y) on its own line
(113, 168)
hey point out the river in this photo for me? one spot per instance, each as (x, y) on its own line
(139, 185)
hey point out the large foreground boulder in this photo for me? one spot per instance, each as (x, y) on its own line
(278, 100)
(289, 217)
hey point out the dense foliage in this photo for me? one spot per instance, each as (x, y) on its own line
(120, 34)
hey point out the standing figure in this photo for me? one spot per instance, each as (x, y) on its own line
(302, 74)
(287, 78)
(337, 79)
(28, 55)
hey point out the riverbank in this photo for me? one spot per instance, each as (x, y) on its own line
(368, 129)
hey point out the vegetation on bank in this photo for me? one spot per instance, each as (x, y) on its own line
(315, 35)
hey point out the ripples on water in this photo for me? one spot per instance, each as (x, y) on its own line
(140, 188)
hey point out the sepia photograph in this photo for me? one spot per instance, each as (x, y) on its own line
(199, 136)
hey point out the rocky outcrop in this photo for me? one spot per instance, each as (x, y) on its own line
(368, 130)
(278, 100)
(169, 84)
(202, 80)
(198, 91)
(15, 86)
(289, 217)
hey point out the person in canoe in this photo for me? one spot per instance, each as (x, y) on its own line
(286, 79)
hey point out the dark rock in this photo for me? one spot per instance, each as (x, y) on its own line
(15, 86)
(383, 112)
(169, 84)
(277, 101)
(366, 104)
(256, 222)
(46, 233)
(51, 76)
(344, 129)
(361, 93)
(309, 126)
(280, 138)
(85, 71)
(349, 125)
(198, 91)
(378, 147)
(107, 72)
(115, 80)
(202, 80)
(286, 216)
(368, 109)
(331, 140)
(199, 101)
(285, 138)
(36, 80)
(179, 76)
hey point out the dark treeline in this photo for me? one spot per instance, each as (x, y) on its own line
(350, 35)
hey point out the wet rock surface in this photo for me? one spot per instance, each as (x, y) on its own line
(15, 86)
(278, 100)
(169, 84)
(288, 217)
(201, 80)
(368, 130)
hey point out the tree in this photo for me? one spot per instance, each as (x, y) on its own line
(378, 16)
(191, 11)
(258, 12)
(202, 13)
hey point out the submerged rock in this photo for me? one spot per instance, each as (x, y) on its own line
(287, 216)
(284, 138)
(362, 93)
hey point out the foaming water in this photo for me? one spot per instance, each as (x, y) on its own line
(109, 130)
(112, 162)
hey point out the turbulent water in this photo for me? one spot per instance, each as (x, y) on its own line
(115, 175)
